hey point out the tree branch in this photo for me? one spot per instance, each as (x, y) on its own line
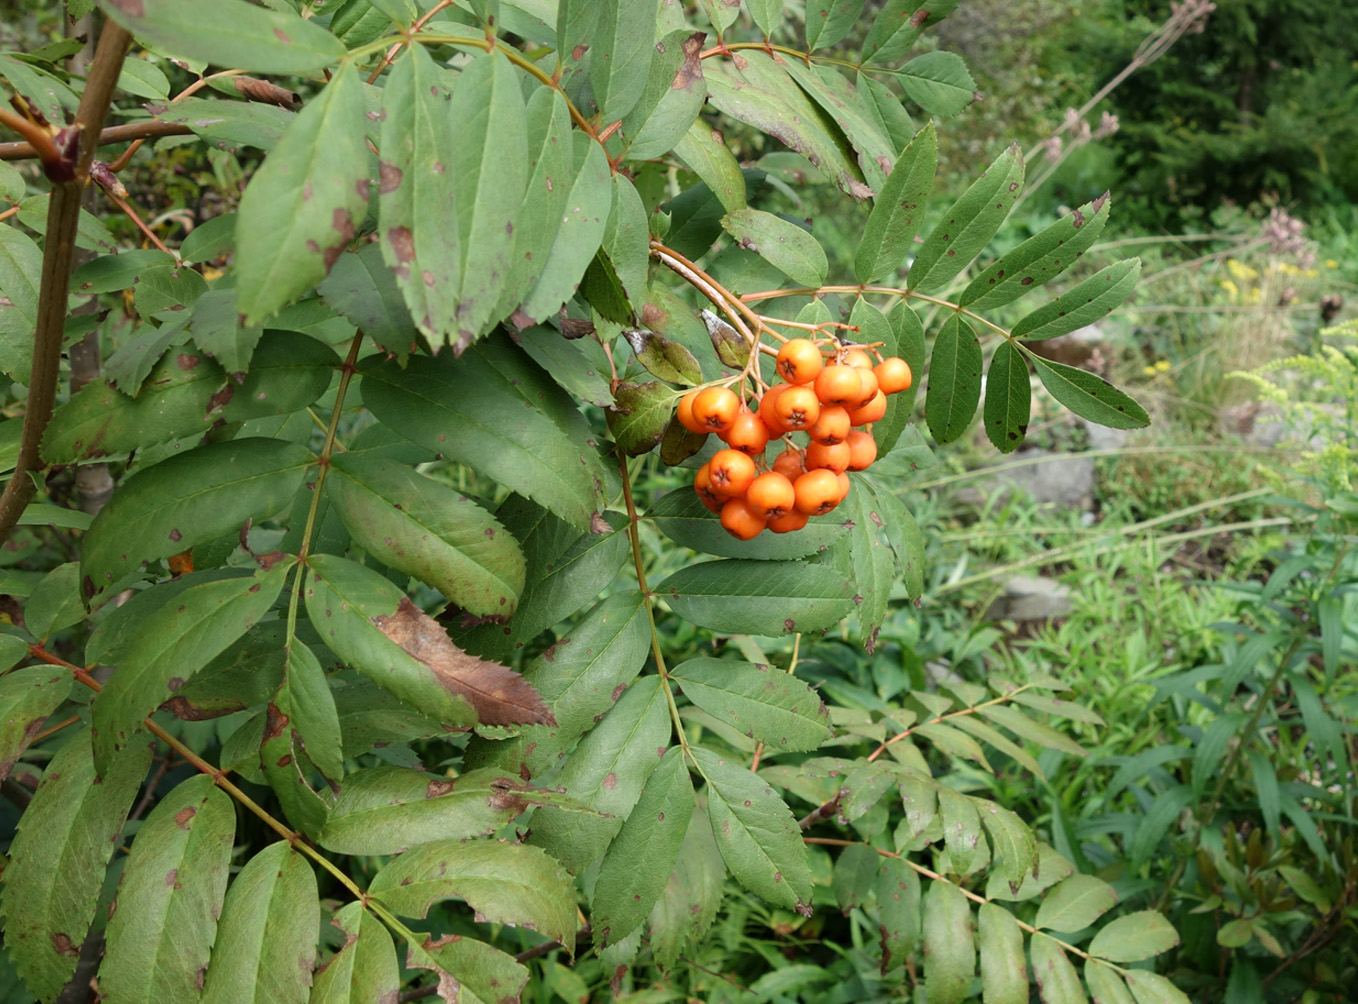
(63, 214)
(146, 129)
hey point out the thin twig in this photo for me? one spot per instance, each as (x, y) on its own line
(147, 129)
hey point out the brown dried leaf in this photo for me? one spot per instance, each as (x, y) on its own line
(267, 93)
(499, 695)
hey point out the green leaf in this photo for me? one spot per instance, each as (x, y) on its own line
(304, 204)
(705, 152)
(1011, 840)
(27, 697)
(229, 33)
(216, 329)
(623, 44)
(737, 596)
(961, 828)
(228, 125)
(1051, 868)
(364, 290)
(606, 772)
(1040, 258)
(1105, 985)
(669, 360)
(669, 105)
(1004, 976)
(505, 883)
(113, 272)
(1008, 398)
(376, 629)
(919, 795)
(760, 93)
(20, 267)
(1152, 988)
(365, 968)
(756, 832)
(899, 24)
(968, 225)
(910, 345)
(577, 239)
(1021, 725)
(898, 209)
(419, 526)
(1306, 887)
(766, 704)
(873, 564)
(1089, 395)
(639, 415)
(469, 971)
(195, 497)
(938, 82)
(954, 380)
(288, 372)
(1134, 937)
(49, 95)
(211, 239)
(12, 184)
(855, 877)
(788, 247)
(898, 903)
(311, 705)
(175, 642)
(1075, 903)
(681, 516)
(767, 14)
(266, 939)
(165, 917)
(469, 411)
(721, 13)
(57, 858)
(949, 944)
(638, 863)
(1056, 978)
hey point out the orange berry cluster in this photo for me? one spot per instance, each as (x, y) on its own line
(823, 399)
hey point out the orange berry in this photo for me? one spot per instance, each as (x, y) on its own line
(862, 450)
(685, 413)
(868, 389)
(771, 495)
(870, 412)
(702, 484)
(768, 410)
(797, 407)
(893, 375)
(839, 386)
(748, 434)
(789, 464)
(793, 519)
(831, 427)
(715, 409)
(799, 361)
(730, 472)
(741, 520)
(844, 485)
(857, 358)
(828, 458)
(817, 492)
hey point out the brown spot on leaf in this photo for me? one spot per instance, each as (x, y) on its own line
(402, 242)
(282, 36)
(437, 788)
(274, 722)
(578, 53)
(184, 815)
(63, 944)
(186, 362)
(499, 695)
(389, 178)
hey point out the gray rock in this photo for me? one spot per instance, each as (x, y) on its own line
(1030, 599)
(1103, 438)
(1064, 481)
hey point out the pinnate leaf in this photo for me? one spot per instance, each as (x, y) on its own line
(899, 24)
(1134, 937)
(1090, 396)
(898, 209)
(784, 245)
(1092, 299)
(954, 380)
(766, 704)
(898, 900)
(469, 971)
(938, 82)
(623, 45)
(1008, 398)
(1075, 903)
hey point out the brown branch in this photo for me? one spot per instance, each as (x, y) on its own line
(146, 129)
(63, 214)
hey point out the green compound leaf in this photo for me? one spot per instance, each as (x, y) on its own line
(898, 209)
(199, 496)
(472, 411)
(1040, 258)
(362, 288)
(756, 833)
(1090, 396)
(57, 859)
(898, 900)
(949, 944)
(426, 529)
(867, 552)
(375, 628)
(1096, 297)
(173, 643)
(622, 47)
(27, 697)
(1008, 398)
(365, 968)
(954, 380)
(305, 203)
(1075, 903)
(899, 25)
(1134, 937)
(938, 82)
(738, 596)
(1004, 976)
(784, 245)
(266, 939)
(1056, 978)
(506, 883)
(765, 703)
(165, 917)
(706, 154)
(606, 772)
(969, 224)
(638, 863)
(229, 33)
